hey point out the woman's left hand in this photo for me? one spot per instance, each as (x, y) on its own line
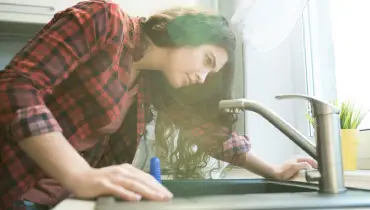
(290, 169)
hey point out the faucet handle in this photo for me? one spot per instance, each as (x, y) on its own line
(319, 107)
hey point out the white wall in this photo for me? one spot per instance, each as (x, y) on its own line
(147, 7)
(267, 75)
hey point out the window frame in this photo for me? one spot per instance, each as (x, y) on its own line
(319, 50)
(318, 56)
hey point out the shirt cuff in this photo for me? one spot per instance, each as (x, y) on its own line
(236, 145)
(32, 121)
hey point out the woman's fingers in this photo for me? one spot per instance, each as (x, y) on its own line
(139, 182)
(310, 161)
(294, 169)
(139, 188)
(124, 194)
(148, 180)
(123, 181)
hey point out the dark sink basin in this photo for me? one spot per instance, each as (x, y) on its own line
(244, 194)
(195, 188)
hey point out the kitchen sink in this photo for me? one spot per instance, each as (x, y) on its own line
(195, 188)
(244, 194)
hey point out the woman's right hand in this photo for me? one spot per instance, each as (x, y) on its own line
(124, 181)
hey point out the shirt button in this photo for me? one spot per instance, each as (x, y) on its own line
(142, 105)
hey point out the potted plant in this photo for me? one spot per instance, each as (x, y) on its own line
(351, 117)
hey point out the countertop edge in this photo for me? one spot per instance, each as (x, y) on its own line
(72, 204)
(356, 179)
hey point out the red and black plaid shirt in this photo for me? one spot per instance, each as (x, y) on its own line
(72, 78)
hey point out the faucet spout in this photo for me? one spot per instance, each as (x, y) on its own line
(327, 150)
(287, 129)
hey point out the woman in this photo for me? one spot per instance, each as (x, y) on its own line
(76, 99)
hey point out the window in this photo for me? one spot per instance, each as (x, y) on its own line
(308, 60)
(350, 32)
(337, 41)
(319, 31)
(319, 53)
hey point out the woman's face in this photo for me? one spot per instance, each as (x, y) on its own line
(190, 65)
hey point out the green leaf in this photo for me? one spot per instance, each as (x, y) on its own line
(350, 115)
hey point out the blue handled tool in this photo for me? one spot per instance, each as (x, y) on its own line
(155, 169)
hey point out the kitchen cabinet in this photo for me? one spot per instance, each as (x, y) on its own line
(36, 11)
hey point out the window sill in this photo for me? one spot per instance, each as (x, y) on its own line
(356, 179)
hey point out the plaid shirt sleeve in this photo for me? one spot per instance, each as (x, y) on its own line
(235, 145)
(220, 143)
(70, 38)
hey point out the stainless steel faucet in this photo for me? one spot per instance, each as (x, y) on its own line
(327, 151)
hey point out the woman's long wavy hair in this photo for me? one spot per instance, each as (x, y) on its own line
(193, 105)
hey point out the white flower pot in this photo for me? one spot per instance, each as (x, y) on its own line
(363, 162)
